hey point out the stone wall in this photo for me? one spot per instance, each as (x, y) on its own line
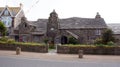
(85, 36)
(29, 48)
(89, 50)
(117, 37)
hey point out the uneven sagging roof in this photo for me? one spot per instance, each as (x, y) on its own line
(115, 27)
(40, 26)
(69, 23)
(78, 23)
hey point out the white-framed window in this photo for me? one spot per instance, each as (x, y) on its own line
(6, 12)
(7, 21)
(98, 32)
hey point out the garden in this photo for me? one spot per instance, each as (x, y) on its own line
(10, 44)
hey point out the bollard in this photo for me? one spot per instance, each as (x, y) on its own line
(18, 50)
(80, 53)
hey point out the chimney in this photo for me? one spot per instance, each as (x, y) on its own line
(21, 5)
(97, 15)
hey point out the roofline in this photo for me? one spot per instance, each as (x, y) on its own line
(18, 12)
(7, 9)
(79, 28)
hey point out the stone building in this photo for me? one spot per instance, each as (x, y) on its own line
(11, 17)
(84, 30)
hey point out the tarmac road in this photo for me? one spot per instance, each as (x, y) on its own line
(8, 61)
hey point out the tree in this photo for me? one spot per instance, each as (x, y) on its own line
(2, 29)
(107, 36)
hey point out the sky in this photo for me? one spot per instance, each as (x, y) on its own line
(36, 9)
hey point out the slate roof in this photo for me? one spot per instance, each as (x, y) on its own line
(77, 23)
(70, 23)
(115, 27)
(14, 10)
(40, 25)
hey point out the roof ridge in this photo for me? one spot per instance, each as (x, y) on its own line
(77, 17)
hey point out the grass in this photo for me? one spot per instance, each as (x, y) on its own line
(6, 40)
(78, 45)
(23, 43)
(83, 45)
(28, 43)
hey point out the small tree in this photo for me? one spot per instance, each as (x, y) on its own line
(2, 29)
(107, 36)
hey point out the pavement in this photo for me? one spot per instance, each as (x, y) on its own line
(60, 57)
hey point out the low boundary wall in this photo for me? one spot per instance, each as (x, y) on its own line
(89, 50)
(29, 48)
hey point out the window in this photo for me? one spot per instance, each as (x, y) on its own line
(97, 32)
(6, 12)
(7, 21)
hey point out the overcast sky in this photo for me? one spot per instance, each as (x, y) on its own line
(108, 9)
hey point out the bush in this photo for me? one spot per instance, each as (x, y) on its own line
(110, 43)
(4, 39)
(10, 41)
(2, 29)
(72, 40)
(107, 36)
(46, 41)
(98, 41)
(7, 40)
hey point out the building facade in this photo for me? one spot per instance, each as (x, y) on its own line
(11, 17)
(84, 30)
(56, 30)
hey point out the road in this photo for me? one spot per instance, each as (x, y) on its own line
(6, 61)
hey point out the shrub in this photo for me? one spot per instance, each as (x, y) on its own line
(2, 29)
(107, 36)
(46, 41)
(110, 43)
(10, 41)
(4, 39)
(72, 40)
(7, 40)
(98, 41)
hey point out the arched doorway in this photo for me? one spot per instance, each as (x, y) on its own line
(64, 40)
